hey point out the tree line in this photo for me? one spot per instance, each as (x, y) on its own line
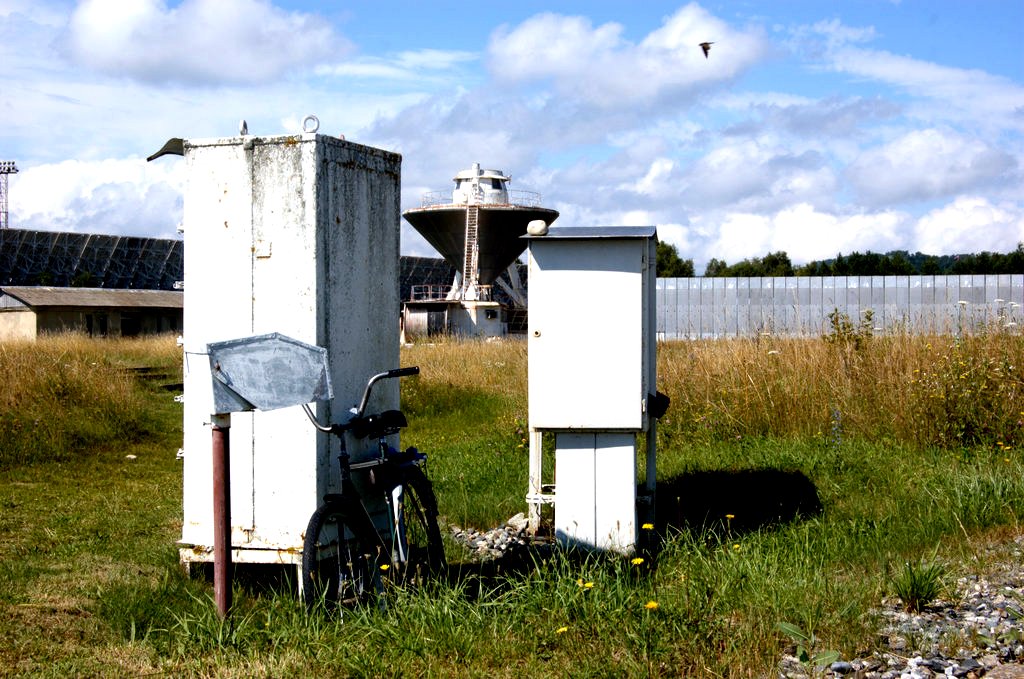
(892, 263)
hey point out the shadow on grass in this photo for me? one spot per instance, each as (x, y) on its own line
(709, 503)
(739, 501)
(704, 503)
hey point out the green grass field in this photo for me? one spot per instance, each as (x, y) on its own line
(796, 478)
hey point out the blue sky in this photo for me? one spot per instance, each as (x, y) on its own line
(813, 127)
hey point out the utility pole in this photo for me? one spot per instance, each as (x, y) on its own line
(7, 167)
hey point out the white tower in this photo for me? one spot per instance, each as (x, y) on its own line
(7, 167)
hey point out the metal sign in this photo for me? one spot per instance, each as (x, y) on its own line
(266, 372)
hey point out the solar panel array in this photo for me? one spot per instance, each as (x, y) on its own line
(64, 259)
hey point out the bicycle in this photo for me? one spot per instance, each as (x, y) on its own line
(345, 560)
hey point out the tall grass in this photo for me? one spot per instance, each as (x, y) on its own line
(467, 411)
(912, 446)
(66, 394)
(918, 391)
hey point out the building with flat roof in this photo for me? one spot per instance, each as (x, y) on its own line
(29, 311)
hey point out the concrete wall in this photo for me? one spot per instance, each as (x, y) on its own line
(17, 325)
(297, 235)
(29, 324)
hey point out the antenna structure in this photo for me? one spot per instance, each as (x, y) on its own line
(7, 167)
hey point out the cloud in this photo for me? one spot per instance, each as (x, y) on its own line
(831, 117)
(114, 196)
(408, 65)
(753, 175)
(804, 233)
(970, 224)
(968, 96)
(199, 42)
(969, 92)
(927, 164)
(596, 65)
(822, 37)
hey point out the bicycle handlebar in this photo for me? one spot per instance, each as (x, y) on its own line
(403, 372)
(395, 372)
(338, 428)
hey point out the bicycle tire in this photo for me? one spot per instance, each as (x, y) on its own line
(420, 551)
(337, 563)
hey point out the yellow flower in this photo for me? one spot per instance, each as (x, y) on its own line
(736, 546)
(561, 630)
(651, 605)
(384, 566)
(648, 526)
(730, 517)
(637, 560)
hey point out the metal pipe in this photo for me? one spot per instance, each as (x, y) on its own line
(222, 571)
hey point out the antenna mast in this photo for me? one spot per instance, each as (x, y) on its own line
(7, 167)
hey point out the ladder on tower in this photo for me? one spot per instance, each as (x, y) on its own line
(470, 258)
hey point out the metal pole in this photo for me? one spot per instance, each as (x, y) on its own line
(534, 499)
(222, 513)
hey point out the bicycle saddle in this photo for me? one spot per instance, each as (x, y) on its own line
(378, 425)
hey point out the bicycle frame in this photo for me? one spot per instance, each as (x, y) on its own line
(394, 474)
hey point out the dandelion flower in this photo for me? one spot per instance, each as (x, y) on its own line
(561, 630)
(651, 605)
(730, 517)
(588, 585)
(648, 526)
(637, 560)
(736, 546)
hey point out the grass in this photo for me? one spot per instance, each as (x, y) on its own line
(910, 446)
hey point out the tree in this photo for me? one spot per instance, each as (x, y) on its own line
(774, 264)
(716, 267)
(669, 264)
(777, 264)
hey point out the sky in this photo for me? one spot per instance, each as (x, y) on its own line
(812, 127)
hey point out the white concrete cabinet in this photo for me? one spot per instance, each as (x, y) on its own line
(298, 235)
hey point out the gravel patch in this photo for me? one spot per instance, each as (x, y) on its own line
(977, 631)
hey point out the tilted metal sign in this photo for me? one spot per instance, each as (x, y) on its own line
(265, 372)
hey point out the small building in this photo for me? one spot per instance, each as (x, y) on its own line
(29, 311)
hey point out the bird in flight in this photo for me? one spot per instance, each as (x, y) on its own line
(706, 46)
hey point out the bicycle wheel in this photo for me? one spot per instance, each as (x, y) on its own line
(419, 552)
(336, 563)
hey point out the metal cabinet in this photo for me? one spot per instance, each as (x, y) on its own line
(592, 371)
(591, 327)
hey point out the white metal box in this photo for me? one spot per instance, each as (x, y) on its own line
(591, 328)
(596, 490)
(299, 235)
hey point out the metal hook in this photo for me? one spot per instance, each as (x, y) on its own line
(310, 119)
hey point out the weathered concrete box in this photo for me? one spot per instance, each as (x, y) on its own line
(300, 235)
